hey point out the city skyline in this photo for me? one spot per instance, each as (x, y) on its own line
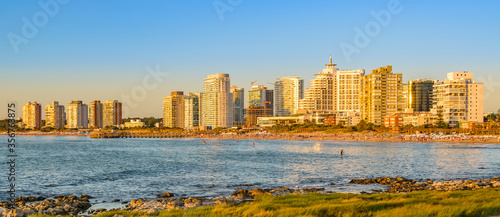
(78, 55)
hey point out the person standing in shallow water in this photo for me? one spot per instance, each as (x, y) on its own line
(341, 152)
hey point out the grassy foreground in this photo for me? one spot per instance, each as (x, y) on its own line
(484, 202)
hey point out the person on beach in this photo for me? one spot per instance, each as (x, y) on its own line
(341, 152)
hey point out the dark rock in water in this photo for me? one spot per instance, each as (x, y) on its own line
(124, 202)
(482, 168)
(116, 200)
(167, 194)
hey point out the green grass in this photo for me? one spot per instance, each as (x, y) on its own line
(484, 202)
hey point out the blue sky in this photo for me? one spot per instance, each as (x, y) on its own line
(100, 49)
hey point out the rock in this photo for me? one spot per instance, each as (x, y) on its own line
(116, 200)
(167, 194)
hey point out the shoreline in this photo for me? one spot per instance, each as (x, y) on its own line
(344, 137)
(73, 205)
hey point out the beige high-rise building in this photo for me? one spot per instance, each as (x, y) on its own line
(348, 84)
(321, 97)
(95, 114)
(173, 110)
(192, 107)
(32, 115)
(238, 105)
(77, 115)
(217, 102)
(333, 90)
(112, 113)
(458, 98)
(55, 116)
(288, 91)
(381, 94)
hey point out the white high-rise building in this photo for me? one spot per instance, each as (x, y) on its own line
(217, 102)
(77, 115)
(348, 84)
(321, 97)
(458, 98)
(54, 115)
(287, 93)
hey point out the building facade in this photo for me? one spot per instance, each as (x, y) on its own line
(192, 107)
(173, 110)
(217, 102)
(112, 113)
(348, 84)
(95, 115)
(381, 94)
(321, 96)
(459, 98)
(238, 105)
(420, 95)
(77, 115)
(288, 91)
(55, 116)
(32, 115)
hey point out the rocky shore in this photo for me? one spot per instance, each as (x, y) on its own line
(62, 205)
(401, 185)
(74, 206)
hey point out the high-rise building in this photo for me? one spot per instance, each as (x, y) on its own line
(95, 114)
(420, 95)
(55, 116)
(192, 105)
(333, 90)
(217, 102)
(32, 115)
(260, 101)
(348, 84)
(321, 96)
(238, 105)
(112, 113)
(381, 94)
(458, 98)
(287, 93)
(173, 110)
(77, 115)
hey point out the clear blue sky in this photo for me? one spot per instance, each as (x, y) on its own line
(100, 49)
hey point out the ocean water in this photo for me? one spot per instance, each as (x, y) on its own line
(128, 169)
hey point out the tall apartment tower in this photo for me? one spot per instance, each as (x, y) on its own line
(192, 108)
(381, 94)
(217, 102)
(112, 113)
(321, 95)
(458, 98)
(348, 84)
(173, 110)
(77, 115)
(287, 93)
(55, 116)
(420, 95)
(95, 114)
(32, 115)
(238, 105)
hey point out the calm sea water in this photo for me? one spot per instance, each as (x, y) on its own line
(141, 168)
